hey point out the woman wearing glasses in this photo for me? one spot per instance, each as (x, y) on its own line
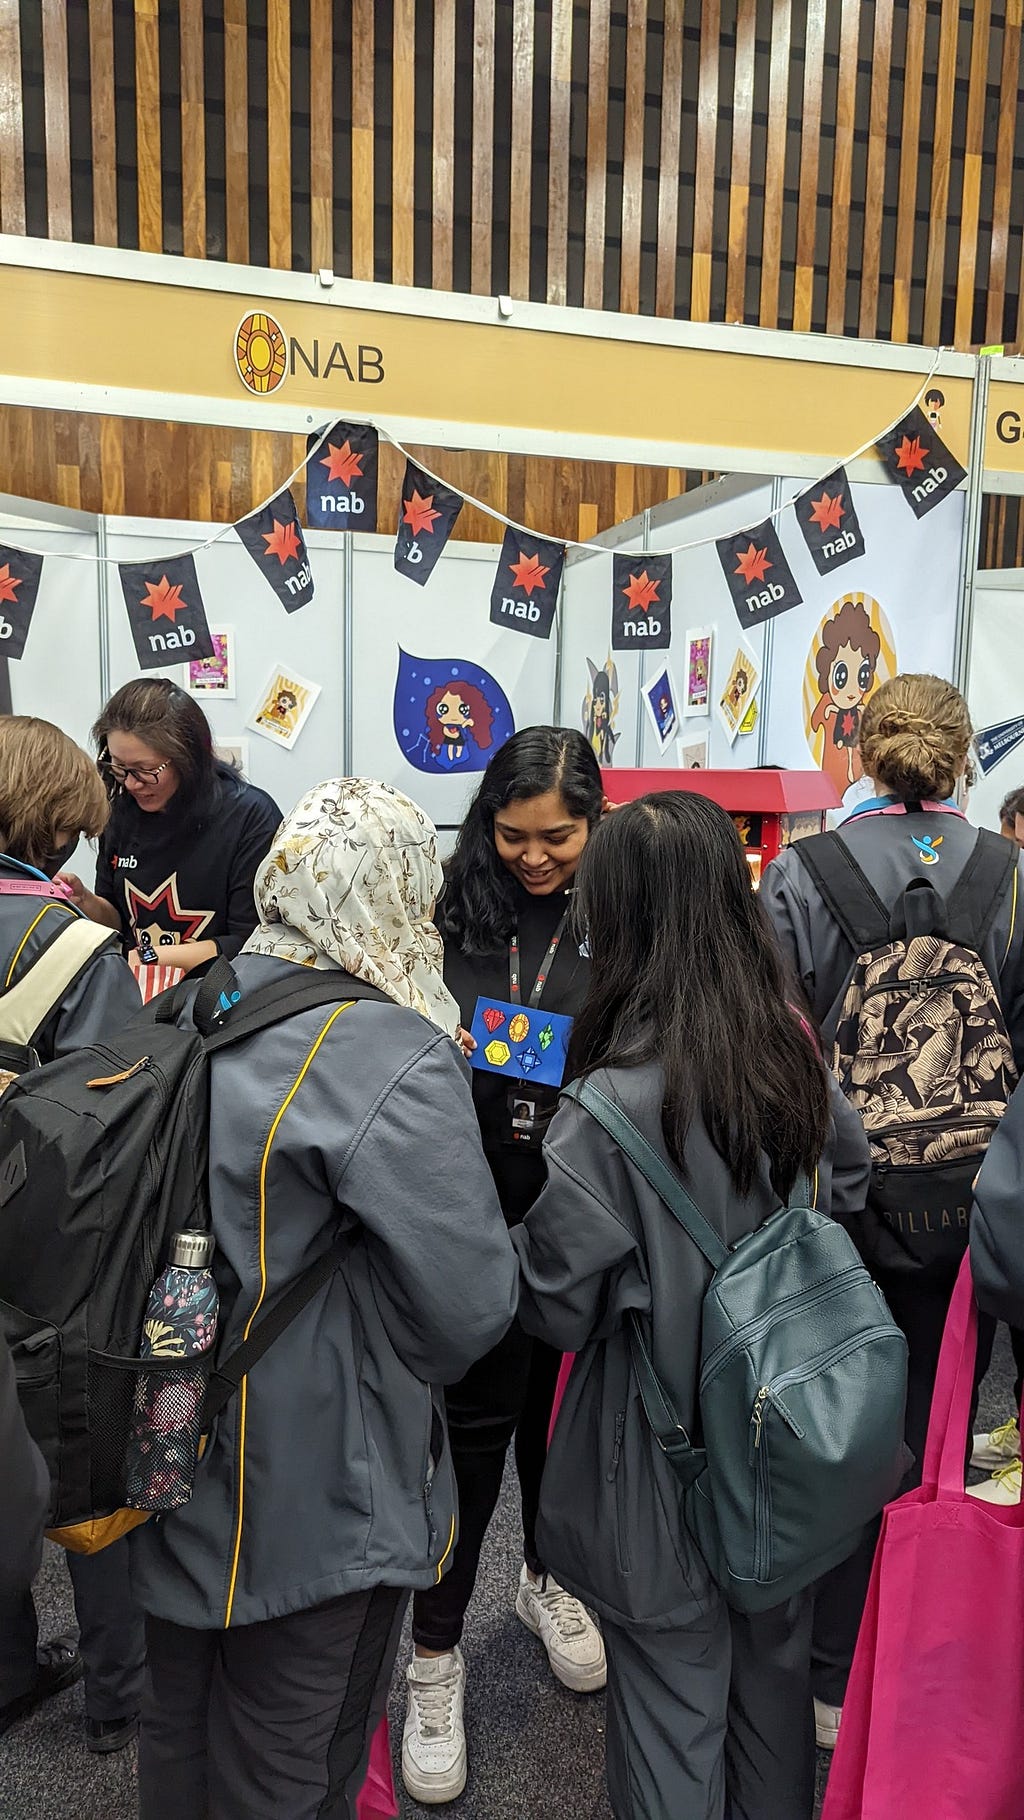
(186, 833)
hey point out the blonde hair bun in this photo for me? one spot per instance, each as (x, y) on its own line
(915, 737)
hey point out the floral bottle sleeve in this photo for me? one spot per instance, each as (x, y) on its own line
(180, 1324)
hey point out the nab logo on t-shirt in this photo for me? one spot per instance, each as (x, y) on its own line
(124, 862)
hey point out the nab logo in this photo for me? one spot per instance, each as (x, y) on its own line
(342, 502)
(6, 628)
(766, 598)
(261, 353)
(520, 609)
(839, 544)
(124, 862)
(926, 848)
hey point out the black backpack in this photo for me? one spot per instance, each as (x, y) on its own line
(103, 1154)
(921, 1048)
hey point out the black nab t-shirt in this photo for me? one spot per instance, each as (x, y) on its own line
(182, 879)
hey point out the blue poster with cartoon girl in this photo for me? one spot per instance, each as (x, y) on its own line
(449, 715)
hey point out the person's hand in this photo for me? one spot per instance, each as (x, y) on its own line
(607, 806)
(466, 1042)
(77, 893)
(184, 954)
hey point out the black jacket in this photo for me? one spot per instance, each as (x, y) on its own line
(183, 881)
(24, 1491)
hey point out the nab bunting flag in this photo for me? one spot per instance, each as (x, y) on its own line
(829, 522)
(341, 479)
(427, 515)
(165, 611)
(641, 603)
(917, 459)
(760, 579)
(274, 540)
(526, 583)
(19, 585)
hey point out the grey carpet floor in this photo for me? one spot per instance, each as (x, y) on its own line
(536, 1751)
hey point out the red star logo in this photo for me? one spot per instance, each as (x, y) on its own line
(342, 464)
(419, 513)
(528, 573)
(642, 592)
(282, 541)
(826, 512)
(9, 584)
(753, 564)
(910, 455)
(144, 908)
(164, 600)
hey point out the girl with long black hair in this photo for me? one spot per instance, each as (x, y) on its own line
(686, 1026)
(186, 832)
(507, 933)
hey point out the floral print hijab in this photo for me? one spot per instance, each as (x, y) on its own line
(351, 881)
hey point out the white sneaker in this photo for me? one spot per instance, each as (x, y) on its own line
(997, 1448)
(826, 1725)
(574, 1644)
(1002, 1488)
(434, 1742)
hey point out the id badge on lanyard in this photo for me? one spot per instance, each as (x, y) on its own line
(530, 1109)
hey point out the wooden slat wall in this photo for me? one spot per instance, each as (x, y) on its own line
(850, 166)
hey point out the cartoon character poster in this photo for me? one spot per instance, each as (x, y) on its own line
(284, 706)
(660, 702)
(741, 686)
(600, 707)
(449, 714)
(852, 652)
(698, 671)
(214, 675)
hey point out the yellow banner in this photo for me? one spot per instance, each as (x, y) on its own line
(504, 385)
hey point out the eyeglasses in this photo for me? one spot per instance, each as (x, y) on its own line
(120, 773)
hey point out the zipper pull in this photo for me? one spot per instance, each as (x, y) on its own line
(757, 1415)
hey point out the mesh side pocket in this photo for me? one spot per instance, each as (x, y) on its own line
(144, 1430)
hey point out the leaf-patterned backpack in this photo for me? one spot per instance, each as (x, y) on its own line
(921, 1047)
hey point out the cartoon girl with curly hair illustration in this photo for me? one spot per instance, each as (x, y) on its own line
(459, 716)
(846, 663)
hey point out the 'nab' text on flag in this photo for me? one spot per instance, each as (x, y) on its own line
(274, 540)
(641, 603)
(341, 479)
(917, 459)
(526, 583)
(165, 611)
(426, 518)
(760, 579)
(19, 585)
(828, 519)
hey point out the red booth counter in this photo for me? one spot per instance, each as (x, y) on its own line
(770, 808)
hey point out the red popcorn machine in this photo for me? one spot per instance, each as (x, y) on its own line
(770, 808)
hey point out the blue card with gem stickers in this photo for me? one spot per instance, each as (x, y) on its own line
(522, 1042)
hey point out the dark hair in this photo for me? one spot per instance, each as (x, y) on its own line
(157, 711)
(934, 397)
(685, 972)
(477, 912)
(1012, 806)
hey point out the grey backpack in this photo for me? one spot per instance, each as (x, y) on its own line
(803, 1383)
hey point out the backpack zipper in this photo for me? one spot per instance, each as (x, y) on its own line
(762, 1505)
(950, 1119)
(919, 987)
(753, 1330)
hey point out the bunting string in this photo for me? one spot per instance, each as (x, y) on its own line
(695, 543)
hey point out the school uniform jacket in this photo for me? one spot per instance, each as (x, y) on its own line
(329, 1472)
(997, 1220)
(889, 847)
(598, 1243)
(102, 999)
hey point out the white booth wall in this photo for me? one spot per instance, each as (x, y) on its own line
(995, 685)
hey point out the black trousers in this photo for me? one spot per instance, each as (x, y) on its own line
(919, 1308)
(713, 1721)
(270, 1720)
(112, 1640)
(508, 1392)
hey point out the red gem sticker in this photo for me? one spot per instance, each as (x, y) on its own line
(493, 1018)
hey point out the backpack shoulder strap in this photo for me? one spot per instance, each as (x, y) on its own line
(282, 999)
(666, 1186)
(979, 892)
(25, 1007)
(848, 895)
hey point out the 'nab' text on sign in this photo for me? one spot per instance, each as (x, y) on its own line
(641, 603)
(19, 585)
(274, 540)
(526, 583)
(426, 518)
(341, 479)
(760, 579)
(165, 611)
(828, 519)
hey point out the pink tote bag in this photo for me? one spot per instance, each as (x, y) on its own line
(377, 1795)
(931, 1726)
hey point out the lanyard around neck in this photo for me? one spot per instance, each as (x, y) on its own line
(514, 986)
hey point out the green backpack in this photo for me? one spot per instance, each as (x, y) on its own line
(803, 1383)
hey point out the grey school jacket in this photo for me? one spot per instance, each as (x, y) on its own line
(598, 1242)
(883, 846)
(997, 1220)
(329, 1472)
